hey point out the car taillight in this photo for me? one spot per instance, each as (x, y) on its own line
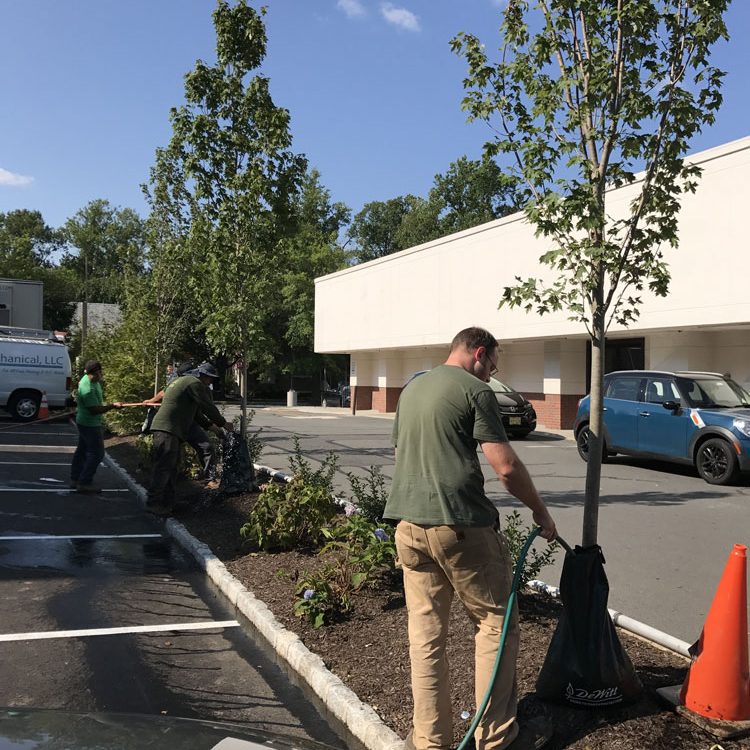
(68, 383)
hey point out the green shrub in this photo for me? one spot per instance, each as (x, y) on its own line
(288, 515)
(362, 552)
(370, 494)
(516, 533)
(321, 477)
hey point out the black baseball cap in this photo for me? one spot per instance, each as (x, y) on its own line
(92, 366)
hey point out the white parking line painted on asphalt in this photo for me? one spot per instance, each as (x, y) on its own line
(6, 637)
(29, 463)
(69, 490)
(37, 448)
(310, 417)
(45, 537)
(40, 434)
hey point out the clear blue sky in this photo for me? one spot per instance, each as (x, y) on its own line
(373, 90)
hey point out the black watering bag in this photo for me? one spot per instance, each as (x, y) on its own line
(238, 474)
(586, 665)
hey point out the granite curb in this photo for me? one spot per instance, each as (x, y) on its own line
(359, 718)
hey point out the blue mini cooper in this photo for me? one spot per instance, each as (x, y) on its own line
(698, 418)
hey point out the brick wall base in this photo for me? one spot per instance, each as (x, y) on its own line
(385, 399)
(555, 410)
(362, 397)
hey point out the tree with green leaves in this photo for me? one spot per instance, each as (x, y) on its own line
(106, 247)
(107, 244)
(229, 172)
(584, 96)
(470, 193)
(27, 247)
(375, 228)
(312, 250)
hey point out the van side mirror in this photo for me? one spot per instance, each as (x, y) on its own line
(671, 405)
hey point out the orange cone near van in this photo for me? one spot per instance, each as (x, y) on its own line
(43, 407)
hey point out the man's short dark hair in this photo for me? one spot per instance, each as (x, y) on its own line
(472, 338)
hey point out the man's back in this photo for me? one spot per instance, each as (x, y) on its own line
(183, 399)
(441, 417)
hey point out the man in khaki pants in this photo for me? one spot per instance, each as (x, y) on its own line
(448, 538)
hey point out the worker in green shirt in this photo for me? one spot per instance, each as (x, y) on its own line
(90, 408)
(186, 400)
(449, 540)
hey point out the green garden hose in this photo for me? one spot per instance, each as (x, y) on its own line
(506, 624)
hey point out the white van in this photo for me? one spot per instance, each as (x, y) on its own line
(32, 362)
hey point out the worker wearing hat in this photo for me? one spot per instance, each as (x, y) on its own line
(186, 400)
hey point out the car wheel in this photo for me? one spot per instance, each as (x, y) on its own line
(582, 443)
(716, 461)
(24, 406)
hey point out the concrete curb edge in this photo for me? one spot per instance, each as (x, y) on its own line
(359, 718)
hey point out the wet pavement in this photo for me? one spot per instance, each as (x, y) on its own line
(102, 612)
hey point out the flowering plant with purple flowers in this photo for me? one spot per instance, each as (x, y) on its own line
(360, 553)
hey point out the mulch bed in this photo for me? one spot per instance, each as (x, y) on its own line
(369, 650)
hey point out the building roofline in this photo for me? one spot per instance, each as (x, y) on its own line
(701, 157)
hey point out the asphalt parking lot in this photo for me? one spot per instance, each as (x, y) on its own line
(665, 533)
(102, 612)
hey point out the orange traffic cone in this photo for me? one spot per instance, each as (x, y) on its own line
(43, 407)
(718, 683)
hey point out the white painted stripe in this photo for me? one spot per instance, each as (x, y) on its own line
(34, 538)
(40, 434)
(69, 490)
(37, 448)
(29, 463)
(6, 637)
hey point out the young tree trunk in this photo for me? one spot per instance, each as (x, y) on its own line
(156, 374)
(596, 439)
(243, 394)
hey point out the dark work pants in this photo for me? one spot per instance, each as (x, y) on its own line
(166, 457)
(89, 454)
(198, 440)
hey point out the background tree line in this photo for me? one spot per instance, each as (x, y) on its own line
(240, 225)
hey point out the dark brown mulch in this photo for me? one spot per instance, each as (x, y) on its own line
(369, 649)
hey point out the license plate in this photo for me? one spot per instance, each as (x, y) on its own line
(514, 420)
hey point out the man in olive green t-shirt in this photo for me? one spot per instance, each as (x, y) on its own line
(186, 400)
(90, 408)
(448, 539)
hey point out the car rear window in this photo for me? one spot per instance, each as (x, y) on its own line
(624, 388)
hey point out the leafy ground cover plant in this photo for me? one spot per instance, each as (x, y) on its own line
(292, 515)
(289, 515)
(360, 554)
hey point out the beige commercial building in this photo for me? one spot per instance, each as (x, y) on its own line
(396, 315)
